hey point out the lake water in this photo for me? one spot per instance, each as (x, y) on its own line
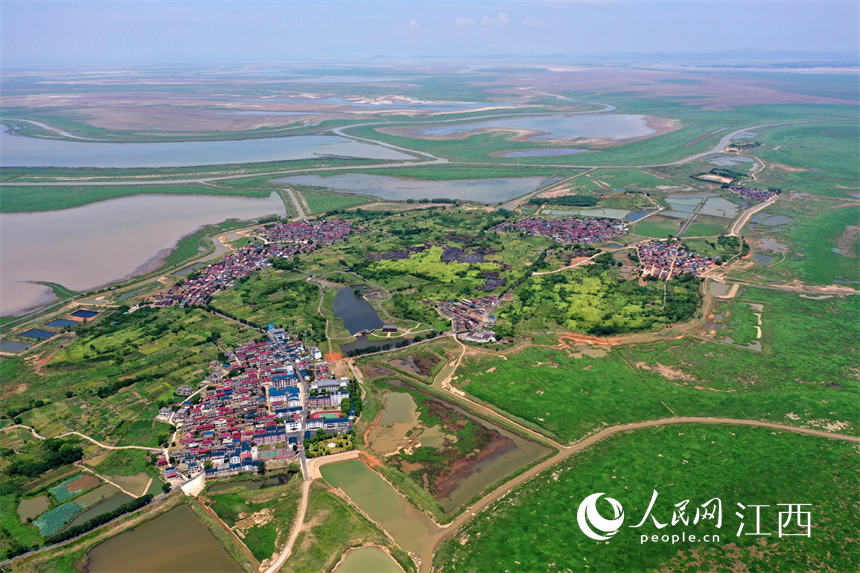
(363, 342)
(357, 313)
(20, 151)
(90, 246)
(366, 560)
(615, 126)
(482, 190)
(545, 152)
(174, 542)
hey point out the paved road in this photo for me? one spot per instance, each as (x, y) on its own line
(299, 210)
(745, 217)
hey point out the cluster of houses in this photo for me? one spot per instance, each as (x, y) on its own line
(755, 194)
(305, 233)
(666, 259)
(479, 336)
(467, 314)
(282, 240)
(261, 405)
(567, 231)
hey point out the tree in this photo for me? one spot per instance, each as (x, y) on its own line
(165, 488)
(261, 468)
(207, 465)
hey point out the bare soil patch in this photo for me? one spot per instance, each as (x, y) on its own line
(847, 240)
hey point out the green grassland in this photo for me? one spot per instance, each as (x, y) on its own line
(157, 350)
(125, 463)
(146, 432)
(280, 503)
(805, 375)
(282, 298)
(535, 527)
(334, 527)
(656, 227)
(321, 202)
(595, 299)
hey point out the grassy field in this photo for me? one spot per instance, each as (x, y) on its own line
(282, 298)
(803, 376)
(535, 527)
(320, 202)
(157, 349)
(333, 527)
(656, 227)
(273, 508)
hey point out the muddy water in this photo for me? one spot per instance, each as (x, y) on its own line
(385, 439)
(89, 246)
(366, 559)
(719, 289)
(411, 529)
(175, 542)
(33, 507)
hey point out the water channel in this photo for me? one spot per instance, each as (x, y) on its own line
(21, 151)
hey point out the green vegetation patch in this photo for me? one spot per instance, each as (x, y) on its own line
(596, 300)
(334, 527)
(534, 528)
(55, 519)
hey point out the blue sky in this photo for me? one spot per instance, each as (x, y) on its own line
(75, 32)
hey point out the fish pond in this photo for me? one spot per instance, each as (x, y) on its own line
(60, 323)
(394, 189)
(36, 333)
(174, 542)
(367, 559)
(14, 346)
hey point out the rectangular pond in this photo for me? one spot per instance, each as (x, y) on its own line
(14, 346)
(84, 313)
(36, 333)
(90, 246)
(174, 542)
(21, 151)
(60, 323)
(392, 188)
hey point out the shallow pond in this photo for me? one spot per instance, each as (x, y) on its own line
(90, 246)
(719, 289)
(615, 126)
(33, 507)
(14, 346)
(357, 314)
(636, 215)
(763, 259)
(366, 560)
(392, 188)
(399, 407)
(174, 542)
(411, 529)
(20, 151)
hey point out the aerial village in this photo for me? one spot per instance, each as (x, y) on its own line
(281, 240)
(755, 194)
(667, 259)
(567, 231)
(269, 398)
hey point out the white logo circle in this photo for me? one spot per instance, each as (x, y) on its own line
(588, 517)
